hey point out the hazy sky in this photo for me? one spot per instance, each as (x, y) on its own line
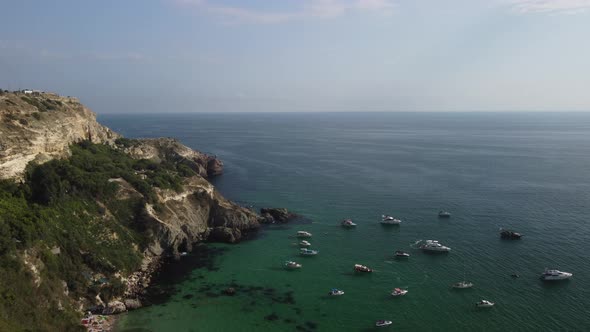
(301, 55)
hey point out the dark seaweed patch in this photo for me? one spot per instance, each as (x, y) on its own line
(311, 325)
(272, 317)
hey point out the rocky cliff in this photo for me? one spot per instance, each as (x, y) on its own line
(162, 192)
(41, 127)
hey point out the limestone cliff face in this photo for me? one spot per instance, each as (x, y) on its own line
(41, 127)
(196, 214)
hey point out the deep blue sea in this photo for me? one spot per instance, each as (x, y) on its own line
(525, 171)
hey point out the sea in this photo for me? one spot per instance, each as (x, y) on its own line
(525, 171)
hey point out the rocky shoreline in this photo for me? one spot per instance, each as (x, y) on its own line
(139, 283)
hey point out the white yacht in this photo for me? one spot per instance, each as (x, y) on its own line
(399, 292)
(292, 265)
(308, 252)
(389, 220)
(336, 292)
(383, 323)
(347, 223)
(303, 234)
(434, 246)
(444, 214)
(463, 284)
(304, 244)
(553, 274)
(484, 304)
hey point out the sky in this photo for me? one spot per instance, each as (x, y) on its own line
(124, 56)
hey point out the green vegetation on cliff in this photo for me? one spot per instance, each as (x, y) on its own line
(68, 228)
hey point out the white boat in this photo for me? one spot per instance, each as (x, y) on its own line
(336, 292)
(463, 284)
(400, 253)
(303, 234)
(383, 323)
(308, 252)
(484, 304)
(399, 292)
(444, 214)
(292, 265)
(362, 268)
(389, 220)
(553, 275)
(347, 223)
(434, 246)
(304, 244)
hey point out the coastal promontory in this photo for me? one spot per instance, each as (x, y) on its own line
(86, 215)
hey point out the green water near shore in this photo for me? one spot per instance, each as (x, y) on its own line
(524, 171)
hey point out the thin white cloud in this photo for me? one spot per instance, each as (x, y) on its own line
(551, 6)
(309, 9)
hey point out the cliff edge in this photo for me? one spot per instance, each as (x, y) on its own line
(41, 127)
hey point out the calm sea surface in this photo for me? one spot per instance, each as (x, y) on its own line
(526, 171)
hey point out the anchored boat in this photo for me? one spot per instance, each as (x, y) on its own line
(303, 234)
(434, 246)
(348, 223)
(362, 268)
(399, 292)
(554, 275)
(463, 284)
(484, 304)
(401, 254)
(336, 292)
(444, 214)
(389, 220)
(292, 265)
(308, 252)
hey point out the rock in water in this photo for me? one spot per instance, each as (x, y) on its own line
(114, 307)
(214, 166)
(270, 215)
(132, 304)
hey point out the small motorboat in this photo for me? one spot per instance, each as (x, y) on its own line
(434, 246)
(509, 234)
(399, 292)
(554, 275)
(303, 234)
(308, 252)
(292, 265)
(347, 223)
(444, 214)
(515, 275)
(463, 284)
(304, 244)
(401, 254)
(383, 323)
(184, 253)
(484, 304)
(336, 292)
(362, 268)
(389, 220)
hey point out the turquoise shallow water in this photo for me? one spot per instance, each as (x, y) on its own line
(527, 171)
